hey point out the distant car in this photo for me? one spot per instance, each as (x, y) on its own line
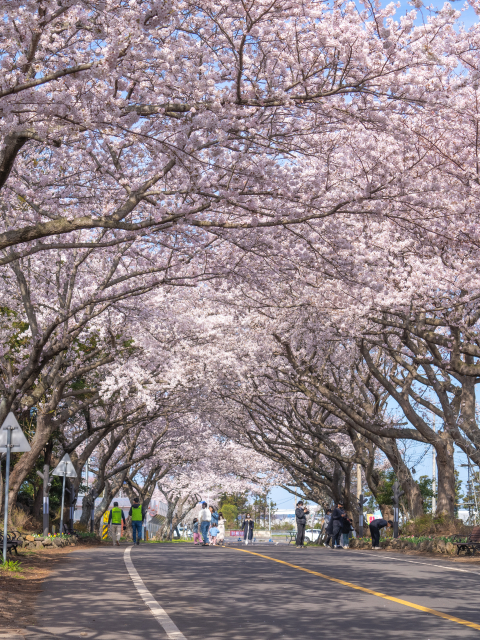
(312, 535)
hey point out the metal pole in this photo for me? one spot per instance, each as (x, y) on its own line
(86, 477)
(46, 505)
(269, 521)
(360, 516)
(294, 509)
(473, 490)
(359, 480)
(395, 522)
(434, 472)
(469, 490)
(7, 479)
(63, 502)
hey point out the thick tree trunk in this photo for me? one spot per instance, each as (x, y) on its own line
(387, 511)
(413, 495)
(446, 476)
(28, 459)
(87, 504)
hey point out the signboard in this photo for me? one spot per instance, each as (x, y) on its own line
(106, 516)
(65, 467)
(236, 534)
(369, 517)
(18, 441)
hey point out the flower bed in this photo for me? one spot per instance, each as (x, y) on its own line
(35, 541)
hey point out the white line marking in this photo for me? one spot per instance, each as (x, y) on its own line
(162, 617)
(427, 564)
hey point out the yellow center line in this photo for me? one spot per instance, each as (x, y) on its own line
(406, 603)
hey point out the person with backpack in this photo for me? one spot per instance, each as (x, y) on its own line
(115, 520)
(137, 514)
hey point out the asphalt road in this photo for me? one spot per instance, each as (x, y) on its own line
(214, 593)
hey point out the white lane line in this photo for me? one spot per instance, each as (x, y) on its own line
(427, 564)
(162, 617)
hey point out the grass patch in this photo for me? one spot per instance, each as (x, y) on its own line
(11, 565)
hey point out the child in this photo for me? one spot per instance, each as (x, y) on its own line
(221, 529)
(213, 534)
(196, 534)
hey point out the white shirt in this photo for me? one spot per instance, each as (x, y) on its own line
(205, 515)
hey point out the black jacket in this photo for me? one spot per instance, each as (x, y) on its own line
(338, 518)
(301, 515)
(347, 527)
(379, 523)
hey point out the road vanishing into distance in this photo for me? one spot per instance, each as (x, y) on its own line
(260, 592)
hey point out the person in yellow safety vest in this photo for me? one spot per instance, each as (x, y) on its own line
(138, 516)
(115, 521)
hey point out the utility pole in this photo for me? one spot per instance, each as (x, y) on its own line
(361, 501)
(397, 494)
(92, 510)
(434, 472)
(45, 476)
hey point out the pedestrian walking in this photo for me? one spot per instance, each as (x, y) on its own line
(338, 516)
(375, 527)
(196, 533)
(137, 513)
(301, 513)
(248, 526)
(326, 528)
(347, 529)
(204, 518)
(115, 519)
(221, 528)
(213, 535)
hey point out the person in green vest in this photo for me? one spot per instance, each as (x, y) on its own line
(115, 521)
(138, 516)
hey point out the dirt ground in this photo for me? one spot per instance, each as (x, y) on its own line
(18, 591)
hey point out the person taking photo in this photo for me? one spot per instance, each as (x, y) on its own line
(301, 513)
